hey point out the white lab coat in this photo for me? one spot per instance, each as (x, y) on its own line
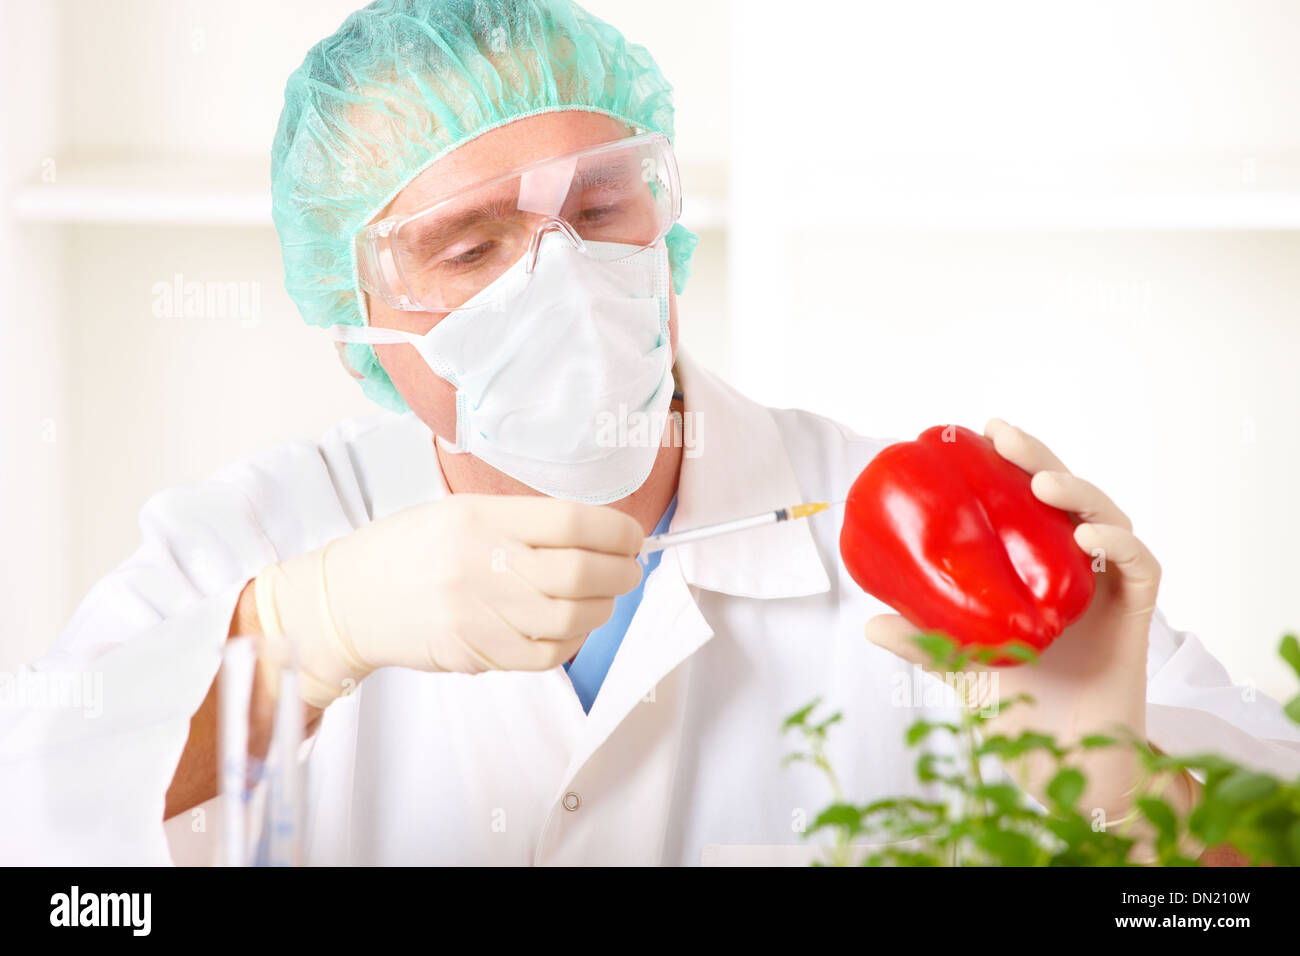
(680, 759)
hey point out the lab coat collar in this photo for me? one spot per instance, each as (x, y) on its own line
(738, 467)
(667, 628)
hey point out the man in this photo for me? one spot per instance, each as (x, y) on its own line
(479, 201)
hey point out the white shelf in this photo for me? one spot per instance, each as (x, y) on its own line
(1037, 211)
(1048, 193)
(234, 193)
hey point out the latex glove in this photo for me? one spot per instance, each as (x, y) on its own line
(467, 583)
(1092, 679)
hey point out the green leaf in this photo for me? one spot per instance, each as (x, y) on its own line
(1027, 741)
(1290, 651)
(1008, 846)
(918, 732)
(940, 647)
(994, 744)
(1073, 829)
(1212, 820)
(1094, 741)
(1244, 786)
(1292, 708)
(1020, 651)
(843, 815)
(926, 772)
(1210, 763)
(1066, 787)
(1293, 843)
(799, 716)
(833, 719)
(1161, 816)
(903, 858)
(879, 806)
(1004, 796)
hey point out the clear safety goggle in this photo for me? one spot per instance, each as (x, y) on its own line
(622, 197)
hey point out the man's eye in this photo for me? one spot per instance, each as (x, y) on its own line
(470, 256)
(595, 214)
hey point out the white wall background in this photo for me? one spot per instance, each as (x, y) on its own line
(1084, 218)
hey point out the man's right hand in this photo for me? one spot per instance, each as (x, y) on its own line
(466, 583)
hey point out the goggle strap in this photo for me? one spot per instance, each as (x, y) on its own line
(368, 335)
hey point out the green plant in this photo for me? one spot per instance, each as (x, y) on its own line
(979, 822)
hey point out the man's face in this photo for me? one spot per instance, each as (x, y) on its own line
(493, 154)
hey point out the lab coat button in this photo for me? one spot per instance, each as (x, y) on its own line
(571, 801)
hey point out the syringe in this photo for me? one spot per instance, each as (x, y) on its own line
(660, 541)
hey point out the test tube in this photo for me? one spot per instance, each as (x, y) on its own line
(262, 800)
(234, 695)
(282, 823)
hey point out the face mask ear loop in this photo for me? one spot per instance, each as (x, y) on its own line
(368, 335)
(663, 282)
(462, 417)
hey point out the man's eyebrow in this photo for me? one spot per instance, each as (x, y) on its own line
(440, 231)
(608, 174)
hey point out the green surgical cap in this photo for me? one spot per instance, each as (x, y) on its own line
(404, 82)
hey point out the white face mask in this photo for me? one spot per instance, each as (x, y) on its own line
(544, 379)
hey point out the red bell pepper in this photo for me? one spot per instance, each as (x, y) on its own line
(949, 534)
